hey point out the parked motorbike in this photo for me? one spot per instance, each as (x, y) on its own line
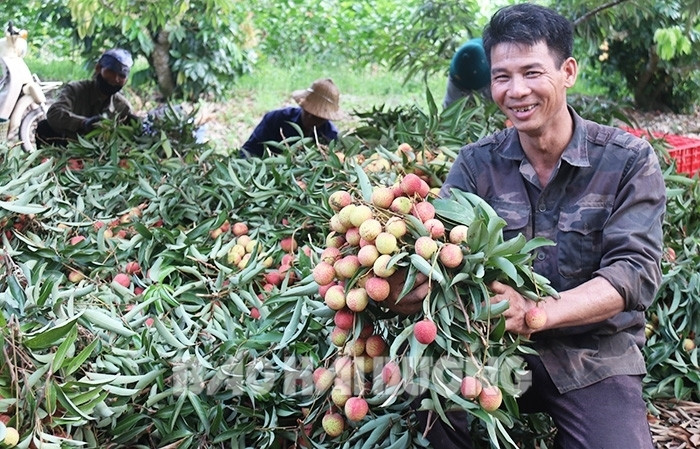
(23, 100)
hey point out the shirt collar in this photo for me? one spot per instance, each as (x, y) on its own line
(575, 153)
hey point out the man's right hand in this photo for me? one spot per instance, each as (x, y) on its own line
(89, 123)
(412, 303)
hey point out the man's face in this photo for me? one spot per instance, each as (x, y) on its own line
(310, 121)
(113, 78)
(529, 86)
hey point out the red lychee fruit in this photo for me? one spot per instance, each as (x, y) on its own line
(425, 331)
(367, 255)
(377, 288)
(346, 267)
(288, 244)
(435, 228)
(356, 409)
(333, 424)
(339, 199)
(490, 398)
(122, 279)
(423, 210)
(76, 239)
(535, 318)
(375, 346)
(344, 318)
(352, 236)
(323, 273)
(132, 267)
(240, 228)
(451, 255)
(382, 197)
(458, 234)
(411, 184)
(357, 299)
(255, 313)
(470, 388)
(391, 374)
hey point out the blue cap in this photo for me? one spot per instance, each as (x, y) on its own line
(118, 60)
(469, 68)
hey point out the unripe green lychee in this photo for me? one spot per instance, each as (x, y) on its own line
(401, 205)
(360, 214)
(345, 213)
(11, 437)
(339, 336)
(386, 243)
(335, 297)
(380, 266)
(425, 247)
(396, 226)
(425, 331)
(333, 424)
(370, 229)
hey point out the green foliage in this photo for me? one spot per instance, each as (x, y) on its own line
(650, 44)
(674, 318)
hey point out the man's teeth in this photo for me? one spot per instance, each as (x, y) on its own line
(525, 109)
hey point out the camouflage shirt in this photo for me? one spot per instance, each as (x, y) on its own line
(604, 208)
(80, 100)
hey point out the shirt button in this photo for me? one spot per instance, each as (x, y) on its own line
(541, 256)
(542, 208)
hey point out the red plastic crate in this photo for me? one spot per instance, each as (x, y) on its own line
(685, 150)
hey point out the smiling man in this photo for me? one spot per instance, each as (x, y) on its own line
(81, 104)
(599, 194)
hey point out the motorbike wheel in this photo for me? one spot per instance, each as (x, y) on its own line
(27, 129)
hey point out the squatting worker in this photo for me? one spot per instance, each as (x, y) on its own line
(318, 105)
(599, 194)
(82, 104)
(469, 73)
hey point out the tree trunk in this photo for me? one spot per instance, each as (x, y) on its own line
(643, 92)
(161, 59)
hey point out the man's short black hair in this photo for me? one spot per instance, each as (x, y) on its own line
(530, 24)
